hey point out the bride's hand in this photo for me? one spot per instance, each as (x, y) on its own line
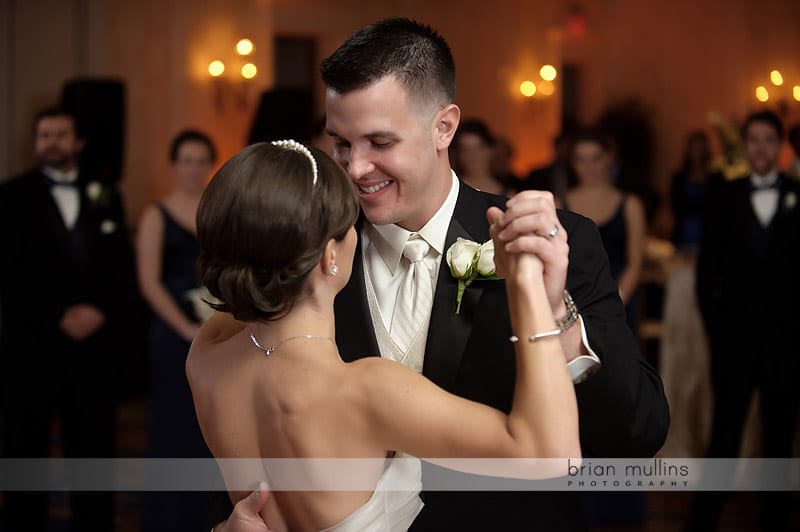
(519, 267)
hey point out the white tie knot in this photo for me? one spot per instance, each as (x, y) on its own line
(415, 249)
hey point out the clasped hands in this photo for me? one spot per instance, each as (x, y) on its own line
(530, 226)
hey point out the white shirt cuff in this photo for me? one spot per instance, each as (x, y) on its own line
(582, 367)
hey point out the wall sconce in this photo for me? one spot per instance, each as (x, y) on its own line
(763, 94)
(544, 87)
(238, 81)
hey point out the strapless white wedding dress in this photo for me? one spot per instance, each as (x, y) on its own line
(394, 503)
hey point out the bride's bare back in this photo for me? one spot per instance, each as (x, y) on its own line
(296, 403)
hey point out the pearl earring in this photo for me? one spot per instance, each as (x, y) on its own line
(334, 270)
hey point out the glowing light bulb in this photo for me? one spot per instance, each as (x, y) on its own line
(796, 92)
(548, 72)
(216, 68)
(776, 78)
(527, 88)
(249, 71)
(244, 47)
(761, 93)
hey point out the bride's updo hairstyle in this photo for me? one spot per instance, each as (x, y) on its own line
(263, 223)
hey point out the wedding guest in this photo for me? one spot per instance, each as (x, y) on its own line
(749, 260)
(473, 150)
(68, 283)
(167, 269)
(391, 113)
(690, 191)
(619, 216)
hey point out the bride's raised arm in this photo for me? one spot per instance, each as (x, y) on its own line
(409, 413)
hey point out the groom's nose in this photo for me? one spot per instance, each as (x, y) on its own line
(359, 164)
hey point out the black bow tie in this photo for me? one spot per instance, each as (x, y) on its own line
(770, 186)
(54, 183)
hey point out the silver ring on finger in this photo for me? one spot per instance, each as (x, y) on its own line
(553, 232)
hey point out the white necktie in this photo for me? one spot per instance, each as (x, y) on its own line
(415, 298)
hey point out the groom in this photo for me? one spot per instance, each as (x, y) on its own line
(390, 113)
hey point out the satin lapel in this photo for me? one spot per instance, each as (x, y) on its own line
(355, 333)
(449, 332)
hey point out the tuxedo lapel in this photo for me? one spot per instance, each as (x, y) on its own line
(355, 333)
(449, 332)
(52, 220)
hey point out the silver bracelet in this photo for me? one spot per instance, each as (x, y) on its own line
(539, 336)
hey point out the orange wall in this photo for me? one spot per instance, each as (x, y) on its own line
(682, 59)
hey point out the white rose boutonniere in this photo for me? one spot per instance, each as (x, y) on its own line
(98, 193)
(790, 201)
(470, 261)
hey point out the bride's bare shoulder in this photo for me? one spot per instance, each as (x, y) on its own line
(214, 336)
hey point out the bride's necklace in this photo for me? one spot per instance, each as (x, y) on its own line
(269, 350)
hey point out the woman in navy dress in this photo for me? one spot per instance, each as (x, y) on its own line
(619, 216)
(167, 255)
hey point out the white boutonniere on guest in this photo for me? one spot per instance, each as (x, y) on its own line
(98, 194)
(201, 300)
(790, 201)
(470, 261)
(108, 226)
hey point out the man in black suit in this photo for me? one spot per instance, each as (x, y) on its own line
(748, 288)
(66, 278)
(391, 115)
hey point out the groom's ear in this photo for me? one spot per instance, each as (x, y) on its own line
(447, 120)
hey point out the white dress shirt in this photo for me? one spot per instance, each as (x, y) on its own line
(382, 249)
(68, 199)
(765, 201)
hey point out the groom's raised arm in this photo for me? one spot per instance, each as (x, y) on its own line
(623, 410)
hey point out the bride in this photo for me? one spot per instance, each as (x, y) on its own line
(277, 238)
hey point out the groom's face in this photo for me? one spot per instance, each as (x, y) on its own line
(387, 144)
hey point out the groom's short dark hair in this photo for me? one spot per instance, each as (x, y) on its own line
(413, 52)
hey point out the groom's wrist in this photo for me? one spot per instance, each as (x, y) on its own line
(566, 314)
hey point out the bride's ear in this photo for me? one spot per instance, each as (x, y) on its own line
(328, 262)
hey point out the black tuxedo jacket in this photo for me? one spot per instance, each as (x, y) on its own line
(623, 411)
(747, 274)
(41, 276)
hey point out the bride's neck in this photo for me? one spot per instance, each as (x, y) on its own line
(306, 318)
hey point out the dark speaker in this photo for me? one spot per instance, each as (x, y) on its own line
(283, 113)
(99, 106)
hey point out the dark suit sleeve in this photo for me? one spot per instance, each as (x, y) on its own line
(623, 410)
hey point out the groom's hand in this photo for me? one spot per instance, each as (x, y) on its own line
(245, 516)
(528, 226)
